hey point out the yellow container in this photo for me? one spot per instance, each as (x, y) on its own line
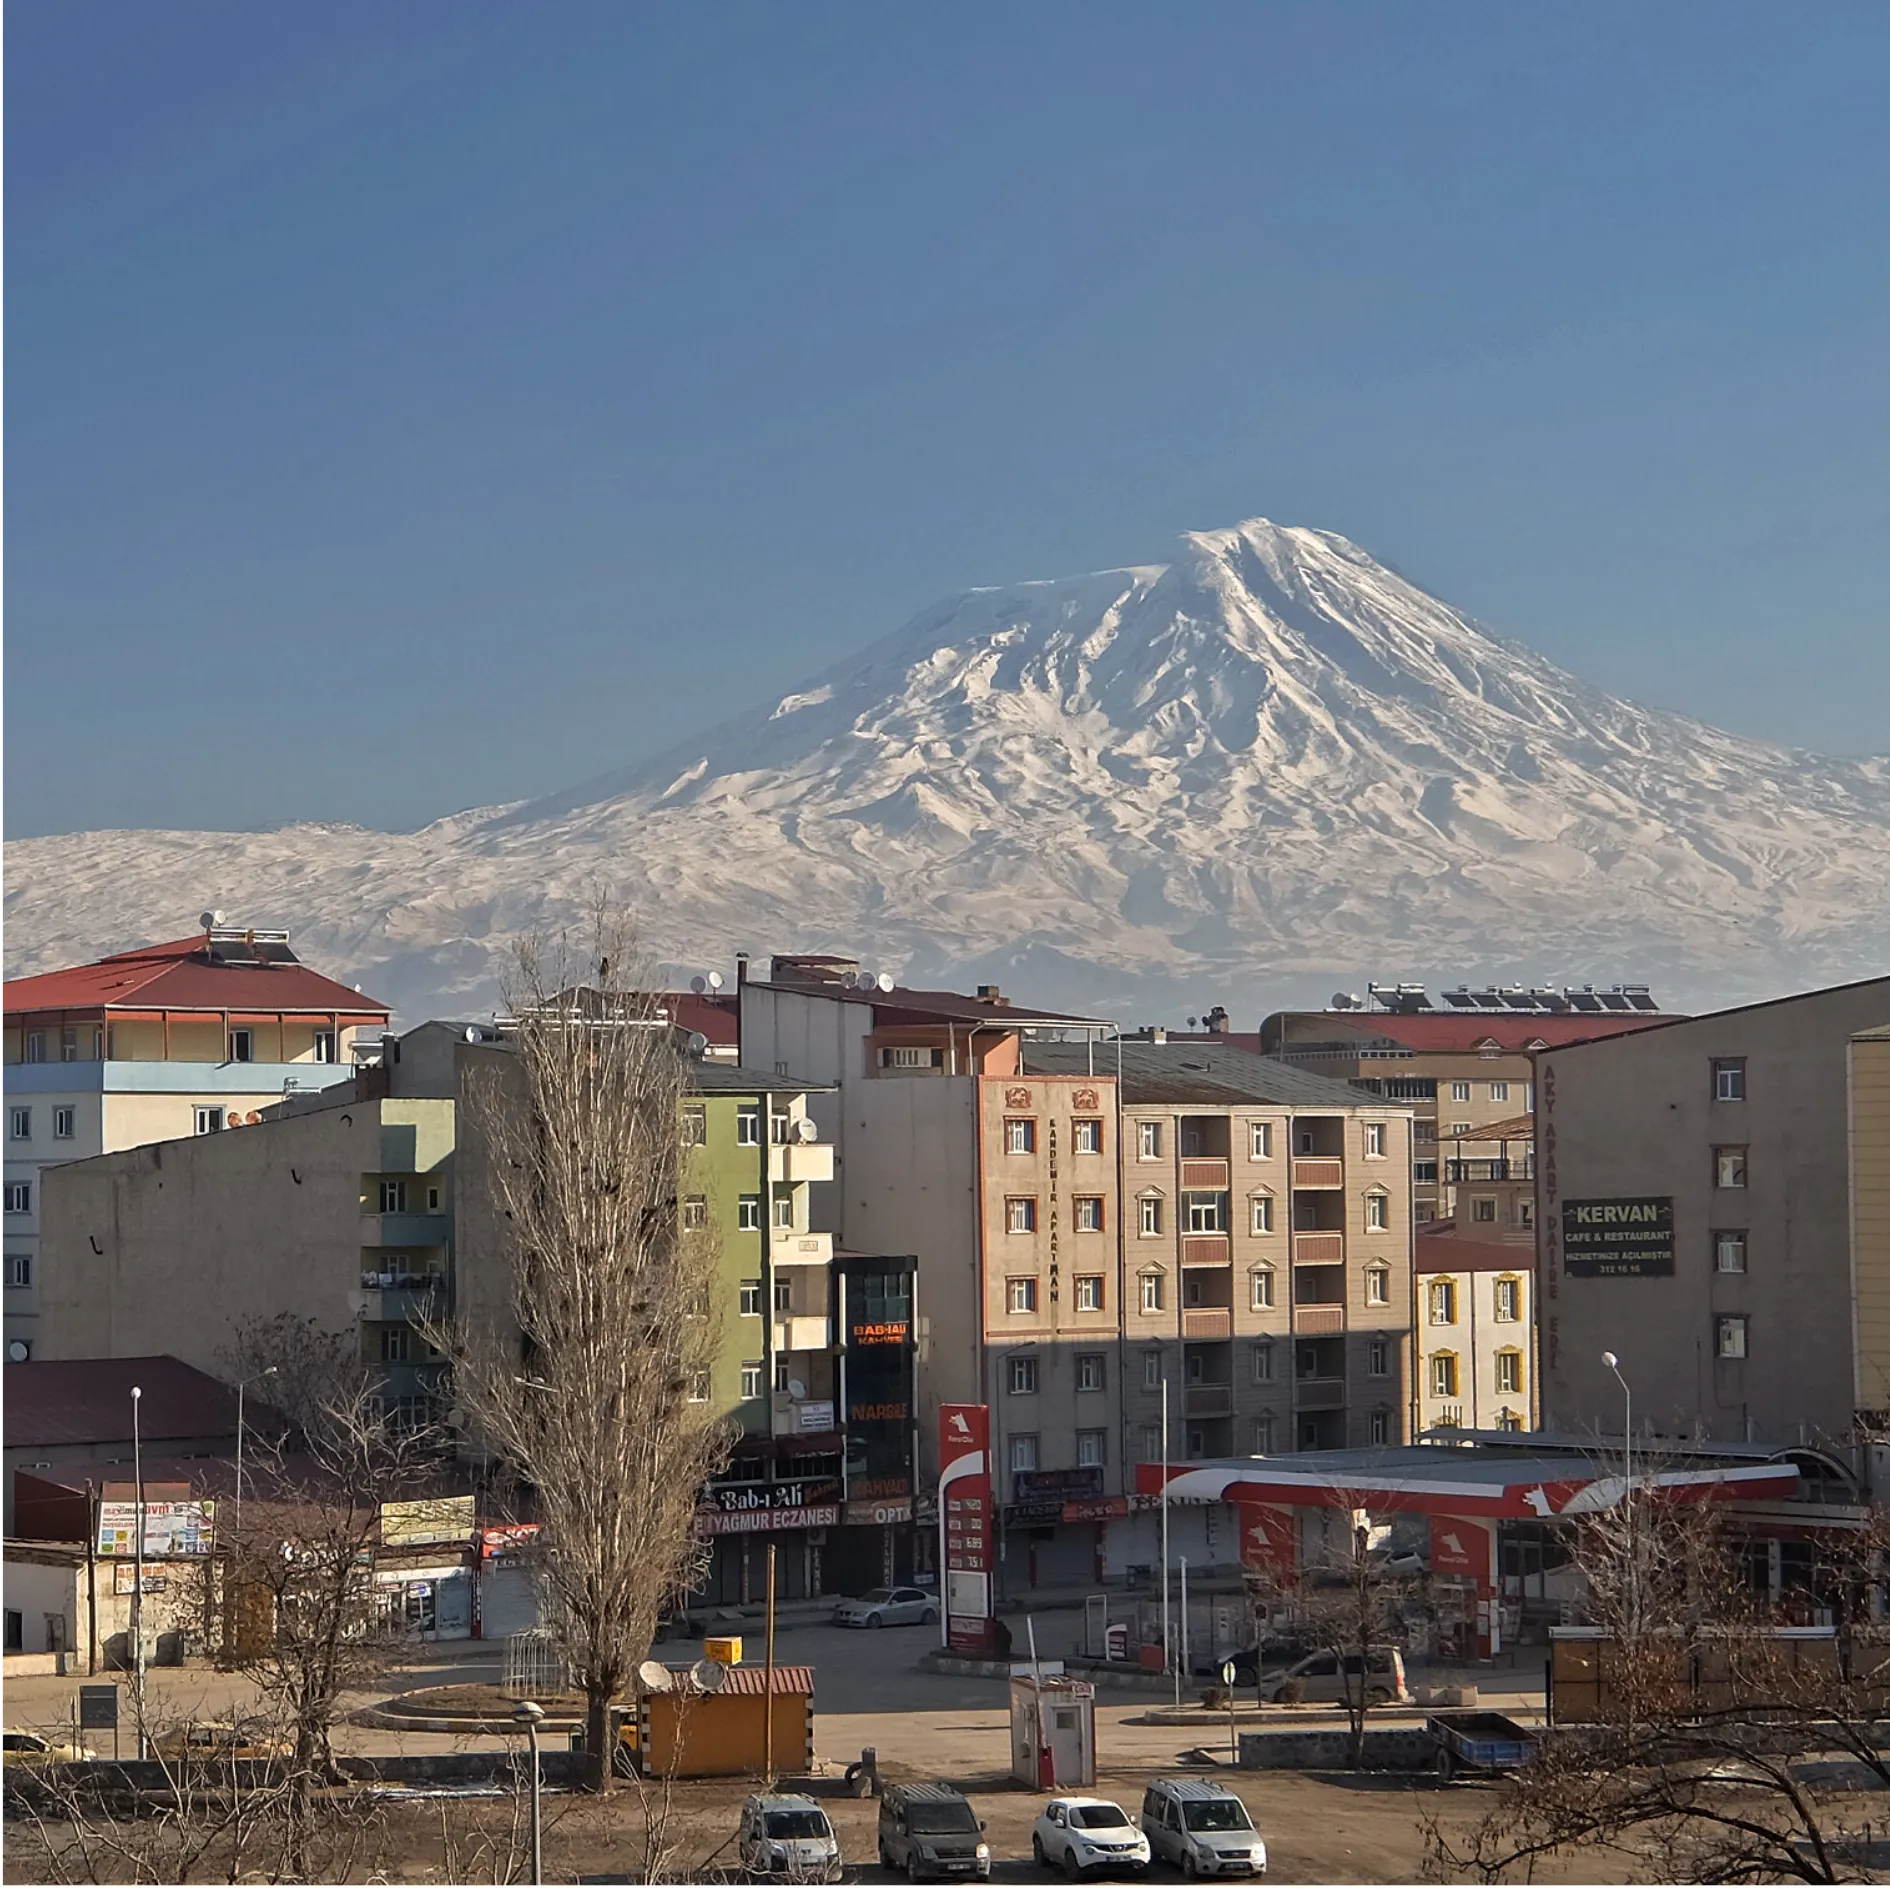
(727, 1648)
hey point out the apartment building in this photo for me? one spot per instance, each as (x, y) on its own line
(191, 1037)
(1474, 1336)
(1465, 1069)
(1706, 1190)
(1265, 1238)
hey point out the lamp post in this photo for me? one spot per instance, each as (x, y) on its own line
(1627, 1434)
(268, 1371)
(1167, 1635)
(1627, 1487)
(529, 1713)
(137, 1567)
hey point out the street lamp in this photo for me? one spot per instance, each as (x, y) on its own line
(1627, 1435)
(1627, 1486)
(529, 1714)
(268, 1371)
(137, 1567)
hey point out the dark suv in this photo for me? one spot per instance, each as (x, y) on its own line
(931, 1831)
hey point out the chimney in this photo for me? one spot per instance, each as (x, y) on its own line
(1157, 1034)
(990, 994)
(1217, 1020)
(741, 969)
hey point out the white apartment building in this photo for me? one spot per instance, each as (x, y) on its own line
(1475, 1367)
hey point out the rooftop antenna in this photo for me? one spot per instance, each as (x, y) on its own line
(884, 981)
(715, 981)
(698, 984)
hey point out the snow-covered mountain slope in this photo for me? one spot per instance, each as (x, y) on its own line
(1263, 767)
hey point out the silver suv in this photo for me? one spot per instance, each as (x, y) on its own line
(1202, 1829)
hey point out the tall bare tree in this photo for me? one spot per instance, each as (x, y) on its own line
(593, 1389)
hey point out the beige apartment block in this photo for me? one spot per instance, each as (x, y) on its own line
(1699, 1185)
(1475, 1329)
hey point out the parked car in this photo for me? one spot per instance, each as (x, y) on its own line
(31, 1748)
(222, 1739)
(788, 1837)
(1202, 1828)
(931, 1831)
(1251, 1662)
(1088, 1837)
(887, 1607)
(1324, 1679)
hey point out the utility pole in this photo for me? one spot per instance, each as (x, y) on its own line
(1167, 1636)
(529, 1713)
(767, 1724)
(137, 1568)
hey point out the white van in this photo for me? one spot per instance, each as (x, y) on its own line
(1201, 1828)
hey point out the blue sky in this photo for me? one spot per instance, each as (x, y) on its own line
(421, 406)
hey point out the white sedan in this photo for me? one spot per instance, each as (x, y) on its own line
(887, 1607)
(1088, 1837)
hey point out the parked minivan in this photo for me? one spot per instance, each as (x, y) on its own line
(1325, 1679)
(931, 1831)
(1201, 1828)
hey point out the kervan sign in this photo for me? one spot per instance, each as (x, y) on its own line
(1627, 1238)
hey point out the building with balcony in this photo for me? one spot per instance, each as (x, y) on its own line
(1709, 1207)
(1265, 1242)
(1465, 1072)
(190, 1038)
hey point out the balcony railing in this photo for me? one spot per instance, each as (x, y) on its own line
(801, 1250)
(1318, 1171)
(803, 1332)
(1319, 1394)
(1207, 1322)
(1318, 1248)
(790, 1162)
(1204, 1171)
(1204, 1250)
(1318, 1319)
(1491, 1168)
(1210, 1400)
(404, 1230)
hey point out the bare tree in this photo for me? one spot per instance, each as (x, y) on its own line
(593, 1393)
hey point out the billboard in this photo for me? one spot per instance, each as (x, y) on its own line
(1630, 1237)
(964, 1501)
(169, 1529)
(878, 1376)
(430, 1519)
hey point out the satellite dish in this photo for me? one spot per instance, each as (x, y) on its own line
(1342, 1001)
(209, 919)
(18, 1352)
(715, 981)
(796, 1389)
(710, 1676)
(472, 1033)
(654, 1675)
(698, 984)
(806, 1129)
(884, 981)
(697, 1043)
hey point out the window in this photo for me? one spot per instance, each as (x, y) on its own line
(1375, 1138)
(1729, 1167)
(1151, 1292)
(1525, 1214)
(748, 1126)
(1377, 1213)
(1732, 1336)
(1499, 1092)
(1508, 1296)
(784, 1296)
(1086, 1135)
(1443, 1374)
(1305, 1141)
(695, 1212)
(36, 1046)
(751, 1299)
(1262, 1435)
(1092, 1449)
(1206, 1213)
(1729, 1079)
(433, 1200)
(396, 1345)
(1263, 1364)
(393, 1197)
(1151, 1443)
(1378, 1359)
(784, 1210)
(1260, 1141)
(905, 1056)
(1148, 1141)
(324, 1047)
(780, 1126)
(1381, 1427)
(19, 1197)
(1460, 1128)
(1460, 1092)
(1020, 1136)
(1483, 1208)
(1151, 1371)
(1021, 1295)
(1151, 1206)
(748, 1213)
(1262, 1213)
(1262, 1278)
(208, 1120)
(1020, 1214)
(1378, 1286)
(1024, 1452)
(242, 1046)
(19, 1269)
(19, 1125)
(1442, 1299)
(1089, 1292)
(783, 1376)
(1729, 1250)
(69, 1045)
(1023, 1376)
(695, 1125)
(1089, 1214)
(751, 1380)
(1509, 1371)
(699, 1385)
(1092, 1372)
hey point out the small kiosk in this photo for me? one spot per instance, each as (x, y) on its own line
(1053, 1728)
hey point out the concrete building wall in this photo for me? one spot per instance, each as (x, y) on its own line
(1637, 1117)
(1870, 1218)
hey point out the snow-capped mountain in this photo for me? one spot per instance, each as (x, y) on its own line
(1267, 765)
